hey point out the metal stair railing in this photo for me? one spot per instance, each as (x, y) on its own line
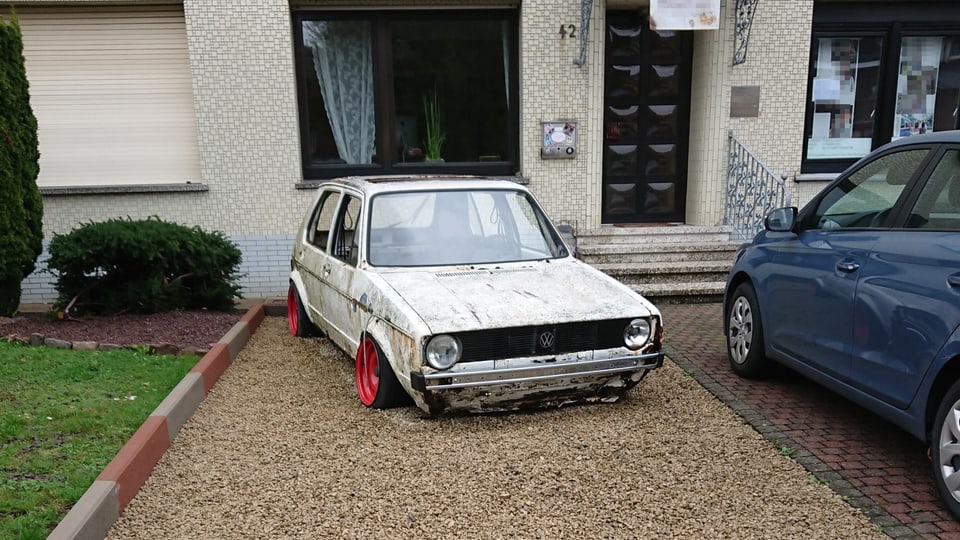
(753, 190)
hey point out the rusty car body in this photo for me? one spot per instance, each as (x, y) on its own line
(460, 293)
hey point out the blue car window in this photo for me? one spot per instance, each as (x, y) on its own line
(938, 206)
(865, 197)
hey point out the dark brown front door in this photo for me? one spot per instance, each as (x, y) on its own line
(646, 121)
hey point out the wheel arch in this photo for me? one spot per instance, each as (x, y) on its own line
(948, 374)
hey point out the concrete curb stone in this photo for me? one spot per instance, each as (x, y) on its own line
(101, 505)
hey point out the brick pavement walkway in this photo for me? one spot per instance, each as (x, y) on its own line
(874, 465)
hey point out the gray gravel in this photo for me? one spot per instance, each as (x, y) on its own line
(283, 448)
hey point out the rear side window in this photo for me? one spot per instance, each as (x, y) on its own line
(866, 197)
(938, 206)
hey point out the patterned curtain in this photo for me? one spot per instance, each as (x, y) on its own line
(343, 60)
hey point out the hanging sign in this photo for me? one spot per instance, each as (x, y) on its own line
(684, 14)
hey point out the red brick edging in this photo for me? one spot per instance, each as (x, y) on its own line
(101, 505)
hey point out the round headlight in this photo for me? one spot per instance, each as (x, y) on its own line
(443, 351)
(636, 334)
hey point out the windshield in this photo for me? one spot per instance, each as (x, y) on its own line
(458, 227)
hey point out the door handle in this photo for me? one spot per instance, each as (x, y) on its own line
(847, 266)
(954, 280)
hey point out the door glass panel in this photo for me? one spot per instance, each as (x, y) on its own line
(664, 45)
(844, 94)
(621, 159)
(322, 220)
(662, 121)
(623, 40)
(620, 198)
(623, 81)
(621, 122)
(661, 159)
(864, 198)
(659, 197)
(927, 85)
(664, 81)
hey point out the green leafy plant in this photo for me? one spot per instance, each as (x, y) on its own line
(435, 135)
(143, 266)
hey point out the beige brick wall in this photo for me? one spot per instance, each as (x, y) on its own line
(552, 87)
(777, 61)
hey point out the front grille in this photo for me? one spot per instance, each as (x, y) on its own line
(524, 341)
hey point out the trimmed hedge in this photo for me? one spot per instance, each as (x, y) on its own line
(143, 266)
(21, 207)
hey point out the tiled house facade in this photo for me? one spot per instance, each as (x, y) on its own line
(236, 75)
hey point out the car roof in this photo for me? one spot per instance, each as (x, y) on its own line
(933, 137)
(393, 183)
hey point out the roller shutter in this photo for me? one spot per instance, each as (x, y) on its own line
(112, 94)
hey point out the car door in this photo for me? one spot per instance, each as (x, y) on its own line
(312, 254)
(908, 298)
(810, 287)
(338, 273)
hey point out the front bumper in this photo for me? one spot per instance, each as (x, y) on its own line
(513, 384)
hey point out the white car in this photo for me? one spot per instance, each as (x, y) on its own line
(460, 293)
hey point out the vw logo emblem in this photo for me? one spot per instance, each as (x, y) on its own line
(546, 340)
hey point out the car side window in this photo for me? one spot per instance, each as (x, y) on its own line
(345, 233)
(938, 206)
(322, 219)
(866, 197)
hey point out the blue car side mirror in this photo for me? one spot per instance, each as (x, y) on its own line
(781, 219)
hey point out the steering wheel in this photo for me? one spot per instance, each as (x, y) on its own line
(879, 218)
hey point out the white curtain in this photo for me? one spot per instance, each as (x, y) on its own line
(343, 60)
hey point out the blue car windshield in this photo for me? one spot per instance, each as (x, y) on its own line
(458, 227)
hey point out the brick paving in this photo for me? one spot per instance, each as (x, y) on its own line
(874, 465)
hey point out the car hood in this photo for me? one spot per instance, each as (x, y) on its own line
(470, 298)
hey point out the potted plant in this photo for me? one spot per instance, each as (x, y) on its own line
(435, 136)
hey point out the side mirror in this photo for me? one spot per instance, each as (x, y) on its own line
(781, 219)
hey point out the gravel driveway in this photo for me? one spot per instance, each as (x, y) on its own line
(282, 448)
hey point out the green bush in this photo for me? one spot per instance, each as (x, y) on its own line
(21, 207)
(143, 266)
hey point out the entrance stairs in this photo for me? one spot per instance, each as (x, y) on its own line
(672, 264)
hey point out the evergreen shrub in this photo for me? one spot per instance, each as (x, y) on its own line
(143, 266)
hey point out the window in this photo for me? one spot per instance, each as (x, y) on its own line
(938, 206)
(319, 231)
(873, 80)
(865, 198)
(408, 92)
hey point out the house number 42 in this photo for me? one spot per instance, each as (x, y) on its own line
(568, 30)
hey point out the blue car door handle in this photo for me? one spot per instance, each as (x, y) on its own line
(847, 266)
(954, 280)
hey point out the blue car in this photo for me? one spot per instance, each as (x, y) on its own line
(860, 292)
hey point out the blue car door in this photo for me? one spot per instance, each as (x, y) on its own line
(908, 298)
(811, 285)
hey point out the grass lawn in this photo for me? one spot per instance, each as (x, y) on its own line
(63, 416)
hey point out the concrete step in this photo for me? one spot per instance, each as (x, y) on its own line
(657, 252)
(682, 293)
(647, 273)
(651, 234)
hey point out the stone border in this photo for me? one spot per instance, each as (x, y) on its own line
(101, 505)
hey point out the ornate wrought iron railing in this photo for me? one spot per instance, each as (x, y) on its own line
(752, 191)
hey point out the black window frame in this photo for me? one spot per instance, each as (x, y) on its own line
(384, 92)
(892, 23)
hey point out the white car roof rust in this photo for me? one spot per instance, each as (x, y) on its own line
(373, 185)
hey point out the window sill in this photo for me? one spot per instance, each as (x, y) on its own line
(125, 189)
(815, 177)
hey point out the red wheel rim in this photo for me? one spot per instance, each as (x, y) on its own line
(293, 317)
(368, 372)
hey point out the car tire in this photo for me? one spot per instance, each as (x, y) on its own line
(377, 385)
(297, 319)
(745, 334)
(945, 449)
